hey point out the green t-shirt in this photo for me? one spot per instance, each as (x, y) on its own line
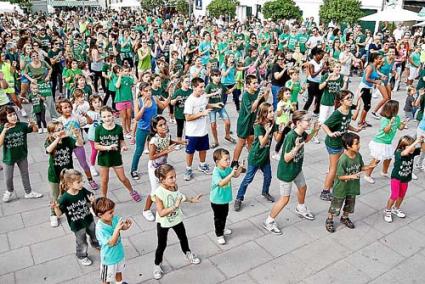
(295, 88)
(292, 41)
(15, 143)
(161, 95)
(302, 39)
(403, 165)
(77, 209)
(106, 138)
(246, 118)
(37, 103)
(178, 111)
(168, 199)
(220, 195)
(60, 158)
(124, 93)
(287, 172)
(112, 82)
(260, 155)
(347, 166)
(331, 90)
(212, 88)
(387, 138)
(45, 89)
(70, 73)
(337, 122)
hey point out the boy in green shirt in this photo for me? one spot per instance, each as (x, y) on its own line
(347, 181)
(38, 108)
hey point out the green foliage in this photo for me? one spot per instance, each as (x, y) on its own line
(281, 9)
(150, 5)
(340, 11)
(218, 8)
(182, 7)
(23, 4)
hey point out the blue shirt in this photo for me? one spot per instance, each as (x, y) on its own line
(203, 46)
(145, 121)
(230, 78)
(220, 195)
(109, 255)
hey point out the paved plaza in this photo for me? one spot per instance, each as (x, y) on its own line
(374, 252)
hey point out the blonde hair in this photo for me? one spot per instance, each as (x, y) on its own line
(67, 177)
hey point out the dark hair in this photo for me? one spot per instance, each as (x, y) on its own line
(263, 110)
(390, 109)
(405, 141)
(219, 153)
(281, 93)
(154, 124)
(250, 78)
(348, 139)
(297, 116)
(4, 112)
(342, 95)
(215, 72)
(92, 99)
(196, 81)
(374, 56)
(60, 102)
(102, 205)
(162, 171)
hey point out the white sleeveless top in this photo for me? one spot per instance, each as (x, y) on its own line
(317, 67)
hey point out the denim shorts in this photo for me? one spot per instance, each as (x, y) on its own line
(222, 113)
(333, 150)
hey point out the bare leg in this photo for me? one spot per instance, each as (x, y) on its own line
(278, 206)
(104, 178)
(119, 171)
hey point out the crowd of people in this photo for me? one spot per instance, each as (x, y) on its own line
(95, 81)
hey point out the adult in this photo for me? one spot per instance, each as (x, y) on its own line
(315, 69)
(280, 76)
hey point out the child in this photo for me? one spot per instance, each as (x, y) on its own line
(108, 233)
(290, 170)
(239, 83)
(13, 138)
(95, 103)
(38, 108)
(109, 142)
(160, 145)
(347, 181)
(401, 175)
(75, 203)
(381, 148)
(169, 215)
(409, 107)
(70, 122)
(178, 100)
(283, 114)
(59, 146)
(294, 86)
(259, 155)
(111, 78)
(124, 97)
(331, 85)
(221, 191)
(80, 107)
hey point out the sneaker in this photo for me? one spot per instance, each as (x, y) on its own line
(128, 136)
(148, 215)
(238, 205)
(414, 177)
(54, 221)
(157, 272)
(221, 240)
(135, 175)
(7, 196)
(178, 147)
(192, 258)
(40, 131)
(93, 184)
(326, 195)
(272, 227)
(276, 156)
(23, 112)
(398, 212)
(93, 171)
(86, 261)
(374, 115)
(330, 226)
(188, 175)
(204, 168)
(268, 197)
(369, 179)
(316, 140)
(347, 222)
(33, 195)
(227, 232)
(387, 175)
(387, 216)
(136, 196)
(304, 212)
(44, 130)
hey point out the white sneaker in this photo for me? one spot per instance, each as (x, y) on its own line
(93, 171)
(157, 272)
(178, 147)
(192, 258)
(128, 136)
(86, 261)
(44, 130)
(304, 212)
(369, 179)
(387, 216)
(276, 156)
(148, 215)
(272, 227)
(221, 240)
(40, 131)
(7, 196)
(398, 212)
(414, 177)
(33, 195)
(227, 232)
(54, 221)
(387, 175)
(23, 112)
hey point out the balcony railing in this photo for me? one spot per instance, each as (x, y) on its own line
(75, 3)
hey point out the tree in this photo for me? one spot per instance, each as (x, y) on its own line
(182, 7)
(150, 5)
(340, 11)
(218, 8)
(281, 9)
(23, 4)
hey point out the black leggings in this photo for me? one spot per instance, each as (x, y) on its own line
(56, 80)
(236, 93)
(41, 118)
(106, 98)
(313, 93)
(280, 142)
(366, 98)
(180, 126)
(96, 76)
(162, 234)
(220, 215)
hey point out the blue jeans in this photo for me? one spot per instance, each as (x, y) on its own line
(275, 92)
(141, 136)
(249, 176)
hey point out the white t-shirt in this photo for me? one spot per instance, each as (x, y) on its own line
(198, 127)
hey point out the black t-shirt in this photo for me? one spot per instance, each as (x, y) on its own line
(282, 80)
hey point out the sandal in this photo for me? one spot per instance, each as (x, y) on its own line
(230, 139)
(347, 222)
(330, 227)
(214, 145)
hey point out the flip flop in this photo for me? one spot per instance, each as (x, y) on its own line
(231, 140)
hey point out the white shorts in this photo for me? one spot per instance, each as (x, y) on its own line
(108, 272)
(380, 151)
(286, 187)
(325, 112)
(152, 178)
(413, 73)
